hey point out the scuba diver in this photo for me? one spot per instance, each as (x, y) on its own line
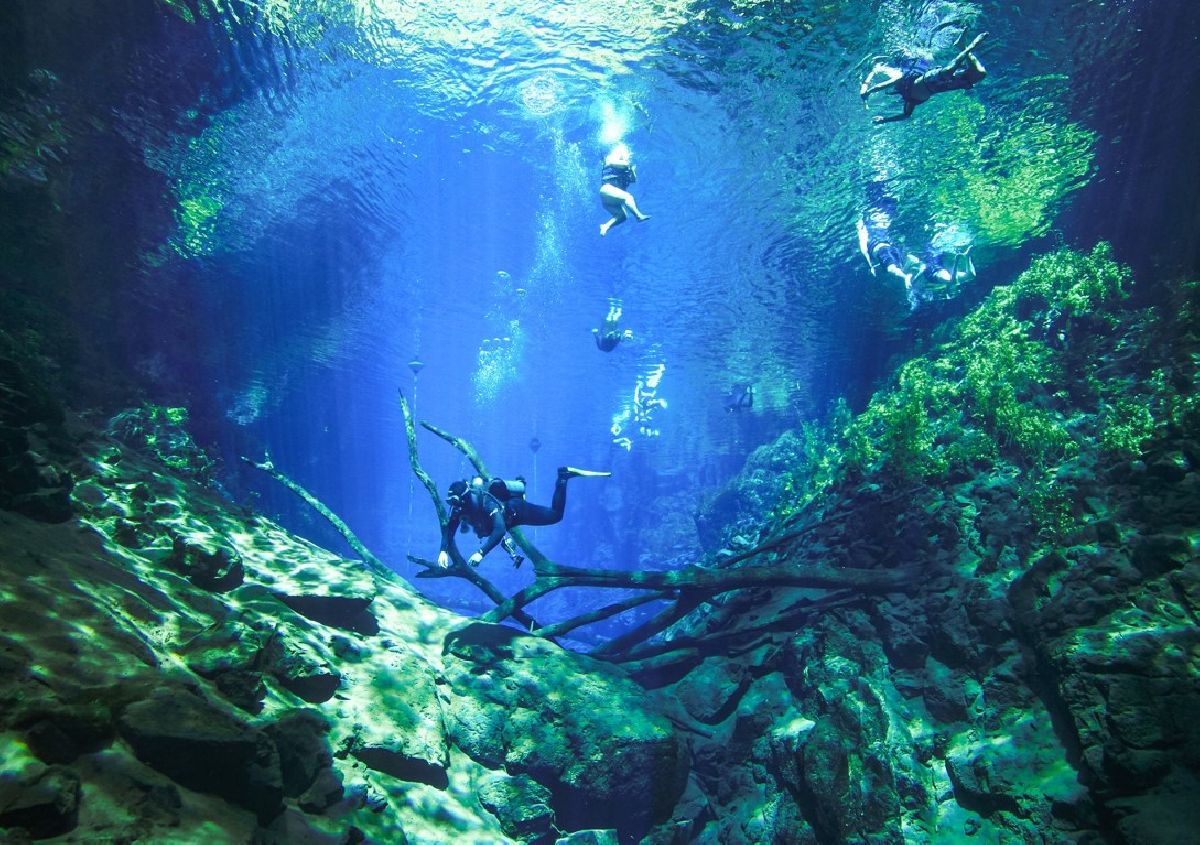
(916, 80)
(610, 333)
(616, 177)
(492, 506)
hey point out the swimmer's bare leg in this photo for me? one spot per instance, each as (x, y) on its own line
(966, 53)
(618, 217)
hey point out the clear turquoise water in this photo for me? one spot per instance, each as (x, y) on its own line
(315, 192)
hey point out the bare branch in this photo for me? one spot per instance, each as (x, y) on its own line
(684, 604)
(603, 613)
(461, 445)
(317, 505)
(459, 567)
(410, 433)
(716, 581)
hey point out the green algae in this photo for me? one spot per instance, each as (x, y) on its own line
(161, 431)
(996, 390)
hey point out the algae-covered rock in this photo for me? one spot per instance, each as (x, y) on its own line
(397, 729)
(44, 804)
(205, 748)
(577, 726)
(522, 806)
(748, 500)
(211, 563)
(711, 691)
(589, 837)
(299, 737)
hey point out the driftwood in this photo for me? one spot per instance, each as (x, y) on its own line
(316, 504)
(683, 589)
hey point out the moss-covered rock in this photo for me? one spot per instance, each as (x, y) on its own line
(575, 725)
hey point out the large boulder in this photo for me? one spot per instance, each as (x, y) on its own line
(44, 803)
(522, 806)
(398, 728)
(205, 748)
(578, 726)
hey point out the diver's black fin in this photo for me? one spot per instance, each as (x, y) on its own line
(574, 472)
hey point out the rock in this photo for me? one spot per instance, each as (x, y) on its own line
(293, 828)
(350, 613)
(299, 737)
(522, 806)
(943, 693)
(333, 592)
(576, 725)
(325, 791)
(61, 733)
(205, 748)
(711, 692)
(404, 735)
(300, 669)
(692, 812)
(1170, 467)
(972, 777)
(210, 564)
(1157, 554)
(229, 655)
(589, 837)
(1167, 817)
(45, 804)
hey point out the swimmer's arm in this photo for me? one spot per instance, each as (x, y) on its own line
(867, 90)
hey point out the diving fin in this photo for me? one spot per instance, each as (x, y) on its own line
(574, 472)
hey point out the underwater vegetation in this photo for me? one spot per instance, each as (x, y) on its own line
(1017, 384)
(162, 432)
(1026, 491)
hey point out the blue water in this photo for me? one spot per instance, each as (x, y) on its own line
(325, 192)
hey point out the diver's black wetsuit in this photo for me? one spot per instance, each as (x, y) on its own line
(491, 518)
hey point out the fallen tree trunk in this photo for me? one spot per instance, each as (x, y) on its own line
(716, 581)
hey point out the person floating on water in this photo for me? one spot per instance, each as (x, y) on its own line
(741, 396)
(616, 177)
(491, 507)
(916, 80)
(937, 276)
(876, 243)
(610, 333)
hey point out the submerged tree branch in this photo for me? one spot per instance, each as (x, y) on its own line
(410, 433)
(459, 567)
(683, 605)
(336, 521)
(599, 615)
(686, 588)
(716, 581)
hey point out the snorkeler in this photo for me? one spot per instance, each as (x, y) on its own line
(616, 177)
(915, 80)
(875, 241)
(740, 396)
(610, 334)
(936, 280)
(494, 506)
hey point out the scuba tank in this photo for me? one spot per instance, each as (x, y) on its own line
(504, 490)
